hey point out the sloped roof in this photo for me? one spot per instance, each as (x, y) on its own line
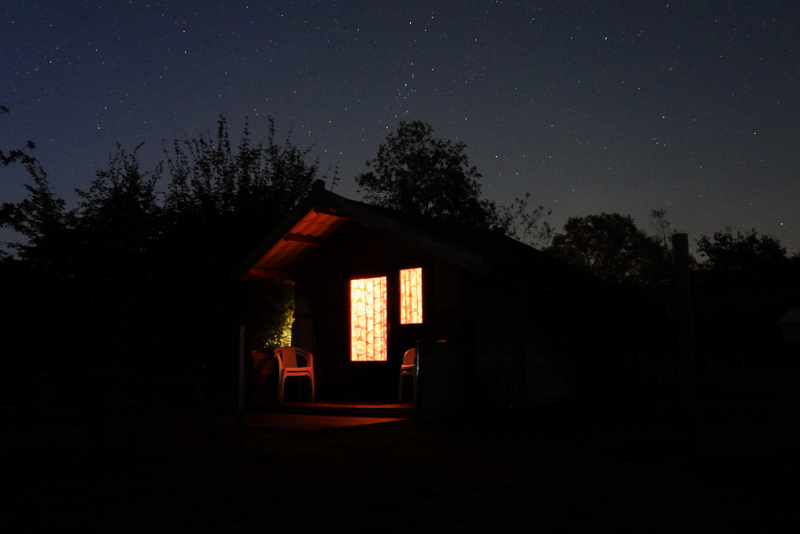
(792, 316)
(316, 221)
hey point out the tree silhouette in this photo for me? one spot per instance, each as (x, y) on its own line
(416, 173)
(611, 247)
(21, 155)
(744, 285)
(744, 252)
(139, 274)
(524, 222)
(230, 193)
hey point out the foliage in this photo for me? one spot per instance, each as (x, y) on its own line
(744, 285)
(41, 219)
(663, 232)
(522, 222)
(138, 274)
(611, 247)
(210, 179)
(273, 302)
(744, 252)
(416, 173)
(228, 195)
(119, 218)
(22, 155)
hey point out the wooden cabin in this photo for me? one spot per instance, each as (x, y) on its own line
(495, 321)
(790, 325)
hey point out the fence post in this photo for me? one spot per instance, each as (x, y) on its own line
(683, 300)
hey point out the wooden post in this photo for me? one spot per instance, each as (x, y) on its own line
(211, 430)
(683, 305)
(521, 383)
(240, 418)
(711, 365)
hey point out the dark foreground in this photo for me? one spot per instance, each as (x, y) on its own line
(613, 466)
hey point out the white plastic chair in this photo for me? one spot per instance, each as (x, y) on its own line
(288, 367)
(409, 368)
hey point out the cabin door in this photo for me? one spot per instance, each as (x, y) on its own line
(368, 320)
(369, 333)
(385, 321)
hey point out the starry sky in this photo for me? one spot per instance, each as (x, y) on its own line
(589, 105)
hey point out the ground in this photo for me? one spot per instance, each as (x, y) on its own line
(581, 467)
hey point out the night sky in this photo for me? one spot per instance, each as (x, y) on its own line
(591, 106)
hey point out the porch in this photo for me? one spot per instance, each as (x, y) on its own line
(324, 415)
(339, 409)
(371, 390)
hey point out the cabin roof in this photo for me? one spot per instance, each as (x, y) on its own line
(317, 220)
(792, 316)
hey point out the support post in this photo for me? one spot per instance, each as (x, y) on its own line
(240, 417)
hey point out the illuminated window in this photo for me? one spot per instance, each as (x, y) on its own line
(411, 296)
(368, 320)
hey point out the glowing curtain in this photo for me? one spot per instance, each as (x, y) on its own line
(411, 296)
(368, 319)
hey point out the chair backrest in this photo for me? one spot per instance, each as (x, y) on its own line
(289, 356)
(409, 357)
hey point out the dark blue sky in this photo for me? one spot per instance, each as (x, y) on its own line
(591, 106)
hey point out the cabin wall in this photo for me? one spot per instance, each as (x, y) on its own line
(446, 367)
(496, 322)
(362, 252)
(445, 385)
(524, 342)
(445, 300)
(514, 345)
(497, 327)
(791, 333)
(552, 340)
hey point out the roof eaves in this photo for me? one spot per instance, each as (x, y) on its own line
(316, 196)
(400, 229)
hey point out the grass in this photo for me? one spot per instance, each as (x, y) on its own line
(616, 466)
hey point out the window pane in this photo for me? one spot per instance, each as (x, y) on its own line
(411, 296)
(368, 319)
